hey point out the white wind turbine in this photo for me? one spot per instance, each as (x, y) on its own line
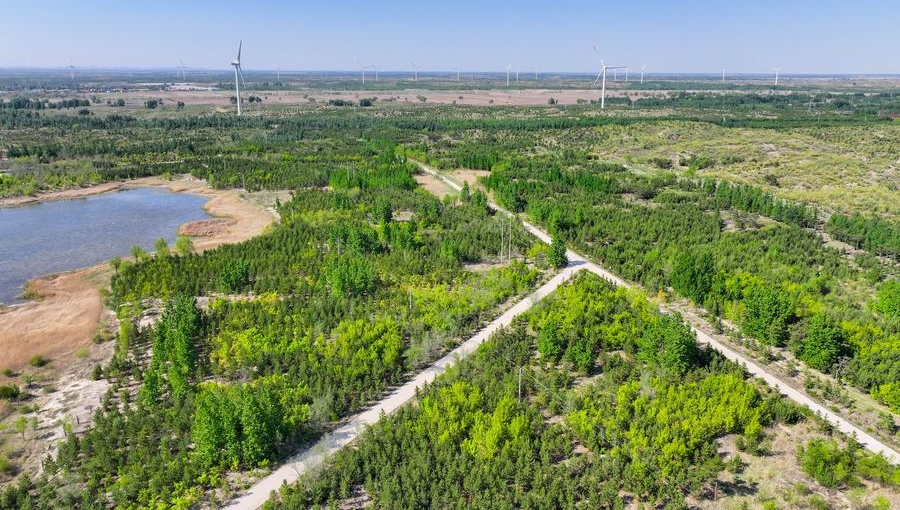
(507, 74)
(238, 74)
(457, 73)
(517, 74)
(362, 67)
(777, 70)
(181, 67)
(416, 71)
(602, 74)
(643, 67)
(723, 75)
(626, 74)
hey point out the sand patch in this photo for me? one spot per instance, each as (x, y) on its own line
(205, 228)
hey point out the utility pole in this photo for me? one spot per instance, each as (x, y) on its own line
(520, 384)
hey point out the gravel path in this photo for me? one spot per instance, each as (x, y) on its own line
(313, 457)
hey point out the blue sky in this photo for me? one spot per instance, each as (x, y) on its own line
(690, 36)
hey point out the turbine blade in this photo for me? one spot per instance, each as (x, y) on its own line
(241, 43)
(598, 78)
(597, 52)
(241, 73)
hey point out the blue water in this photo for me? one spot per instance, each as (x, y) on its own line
(52, 237)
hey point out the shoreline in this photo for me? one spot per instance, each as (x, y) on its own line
(68, 309)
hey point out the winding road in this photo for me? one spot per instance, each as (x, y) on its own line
(314, 456)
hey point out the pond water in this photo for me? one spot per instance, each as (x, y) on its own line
(51, 237)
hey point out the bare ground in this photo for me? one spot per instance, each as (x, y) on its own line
(777, 477)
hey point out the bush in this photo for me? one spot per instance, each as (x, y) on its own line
(38, 361)
(9, 392)
(826, 462)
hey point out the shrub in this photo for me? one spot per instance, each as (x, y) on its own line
(9, 392)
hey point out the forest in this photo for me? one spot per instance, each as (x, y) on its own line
(593, 399)
(263, 345)
(260, 347)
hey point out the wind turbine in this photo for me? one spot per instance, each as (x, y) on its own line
(602, 74)
(238, 74)
(626, 74)
(777, 69)
(72, 72)
(416, 71)
(278, 71)
(457, 73)
(362, 67)
(642, 72)
(373, 66)
(507, 74)
(517, 74)
(723, 75)
(181, 66)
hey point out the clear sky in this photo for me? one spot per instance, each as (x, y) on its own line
(681, 36)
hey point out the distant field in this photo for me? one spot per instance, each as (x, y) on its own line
(846, 169)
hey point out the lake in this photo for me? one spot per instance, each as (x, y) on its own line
(52, 237)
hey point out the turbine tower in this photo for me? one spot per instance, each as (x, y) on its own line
(777, 69)
(362, 67)
(723, 75)
(238, 74)
(642, 72)
(181, 67)
(457, 73)
(602, 74)
(416, 71)
(507, 74)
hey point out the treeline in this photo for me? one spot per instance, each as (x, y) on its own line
(24, 103)
(643, 426)
(872, 234)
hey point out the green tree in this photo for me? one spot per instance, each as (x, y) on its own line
(557, 254)
(888, 302)
(184, 245)
(823, 343)
(669, 343)
(116, 263)
(550, 341)
(767, 313)
(161, 247)
(465, 194)
(235, 276)
(692, 275)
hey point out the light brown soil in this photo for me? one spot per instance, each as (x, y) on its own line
(204, 228)
(62, 321)
(433, 185)
(778, 477)
(461, 175)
